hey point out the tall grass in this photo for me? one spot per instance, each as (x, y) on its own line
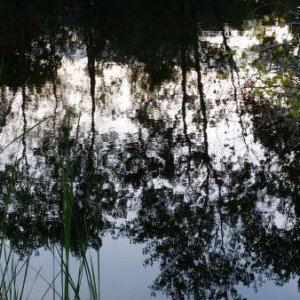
(12, 271)
(69, 284)
(15, 284)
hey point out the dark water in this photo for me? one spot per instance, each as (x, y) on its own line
(174, 127)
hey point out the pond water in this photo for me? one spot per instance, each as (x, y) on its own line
(149, 150)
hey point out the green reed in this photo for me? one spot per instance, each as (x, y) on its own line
(10, 288)
(15, 283)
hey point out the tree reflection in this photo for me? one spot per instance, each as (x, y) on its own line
(210, 220)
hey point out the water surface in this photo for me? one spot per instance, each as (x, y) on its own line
(158, 143)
